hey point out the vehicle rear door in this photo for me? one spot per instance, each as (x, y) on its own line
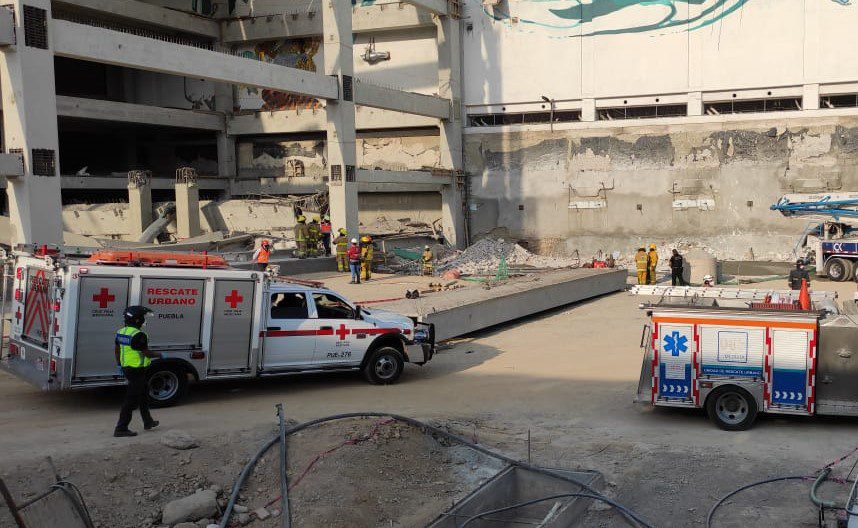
(232, 326)
(290, 333)
(335, 342)
(101, 305)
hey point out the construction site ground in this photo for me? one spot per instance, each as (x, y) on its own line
(566, 379)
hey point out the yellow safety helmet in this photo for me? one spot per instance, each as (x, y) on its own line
(343, 231)
(365, 239)
(302, 218)
(317, 219)
(652, 246)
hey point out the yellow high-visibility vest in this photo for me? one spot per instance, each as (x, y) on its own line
(128, 357)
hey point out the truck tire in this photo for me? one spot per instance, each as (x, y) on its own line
(839, 269)
(731, 408)
(166, 386)
(384, 366)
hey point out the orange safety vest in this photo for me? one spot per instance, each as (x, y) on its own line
(262, 258)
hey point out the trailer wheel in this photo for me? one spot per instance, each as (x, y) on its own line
(731, 408)
(384, 367)
(838, 269)
(166, 386)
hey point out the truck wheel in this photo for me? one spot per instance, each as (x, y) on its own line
(384, 367)
(731, 408)
(167, 385)
(838, 269)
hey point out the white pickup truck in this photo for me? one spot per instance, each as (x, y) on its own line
(210, 322)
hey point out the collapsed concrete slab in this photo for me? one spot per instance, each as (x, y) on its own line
(461, 312)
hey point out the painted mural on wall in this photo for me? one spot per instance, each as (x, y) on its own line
(294, 53)
(573, 18)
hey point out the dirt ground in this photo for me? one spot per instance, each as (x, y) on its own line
(567, 377)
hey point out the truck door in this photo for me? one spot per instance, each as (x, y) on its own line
(788, 369)
(675, 351)
(290, 334)
(101, 305)
(335, 343)
(232, 324)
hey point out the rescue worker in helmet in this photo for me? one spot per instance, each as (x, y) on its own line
(797, 275)
(642, 265)
(301, 235)
(262, 255)
(366, 257)
(427, 258)
(314, 235)
(653, 260)
(353, 254)
(325, 226)
(342, 245)
(133, 356)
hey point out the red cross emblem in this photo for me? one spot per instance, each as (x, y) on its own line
(234, 299)
(342, 332)
(103, 298)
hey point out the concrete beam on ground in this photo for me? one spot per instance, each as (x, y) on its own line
(400, 101)
(141, 12)
(436, 7)
(468, 310)
(402, 177)
(288, 121)
(106, 46)
(136, 113)
(11, 165)
(372, 19)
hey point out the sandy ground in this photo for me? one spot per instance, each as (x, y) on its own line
(568, 377)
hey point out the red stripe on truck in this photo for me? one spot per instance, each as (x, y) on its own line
(327, 332)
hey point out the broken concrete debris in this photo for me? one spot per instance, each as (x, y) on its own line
(485, 256)
(200, 505)
(178, 439)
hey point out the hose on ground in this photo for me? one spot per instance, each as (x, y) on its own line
(248, 469)
(814, 498)
(748, 486)
(602, 498)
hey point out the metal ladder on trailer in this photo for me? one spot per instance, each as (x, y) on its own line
(716, 292)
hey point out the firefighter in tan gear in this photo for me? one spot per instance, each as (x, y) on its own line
(342, 245)
(642, 265)
(427, 259)
(314, 235)
(131, 347)
(366, 257)
(301, 235)
(653, 260)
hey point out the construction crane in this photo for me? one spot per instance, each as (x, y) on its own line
(835, 246)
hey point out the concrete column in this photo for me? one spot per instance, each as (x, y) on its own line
(588, 110)
(340, 112)
(450, 87)
(810, 97)
(139, 202)
(187, 209)
(224, 102)
(695, 103)
(30, 126)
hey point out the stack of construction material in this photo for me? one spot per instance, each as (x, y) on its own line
(486, 255)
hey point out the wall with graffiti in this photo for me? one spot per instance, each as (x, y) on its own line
(519, 50)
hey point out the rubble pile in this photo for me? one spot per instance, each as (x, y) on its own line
(485, 256)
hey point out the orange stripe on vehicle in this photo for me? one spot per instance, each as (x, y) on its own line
(736, 322)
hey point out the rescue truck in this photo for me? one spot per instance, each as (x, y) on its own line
(210, 322)
(737, 358)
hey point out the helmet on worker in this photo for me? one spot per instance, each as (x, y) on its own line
(343, 231)
(365, 239)
(316, 219)
(266, 242)
(302, 219)
(426, 246)
(136, 316)
(799, 263)
(652, 246)
(327, 218)
(354, 241)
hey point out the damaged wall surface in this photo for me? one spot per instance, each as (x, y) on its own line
(616, 188)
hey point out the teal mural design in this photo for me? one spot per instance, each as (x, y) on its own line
(561, 16)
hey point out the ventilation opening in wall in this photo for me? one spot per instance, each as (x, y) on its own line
(642, 112)
(839, 101)
(523, 118)
(753, 106)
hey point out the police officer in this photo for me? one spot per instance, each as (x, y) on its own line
(797, 275)
(133, 355)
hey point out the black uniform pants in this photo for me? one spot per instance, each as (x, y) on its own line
(135, 398)
(676, 277)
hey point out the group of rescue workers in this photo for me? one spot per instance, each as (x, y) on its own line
(309, 236)
(645, 262)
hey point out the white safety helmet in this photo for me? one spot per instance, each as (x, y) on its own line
(354, 241)
(708, 278)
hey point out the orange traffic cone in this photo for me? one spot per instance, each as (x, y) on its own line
(804, 296)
